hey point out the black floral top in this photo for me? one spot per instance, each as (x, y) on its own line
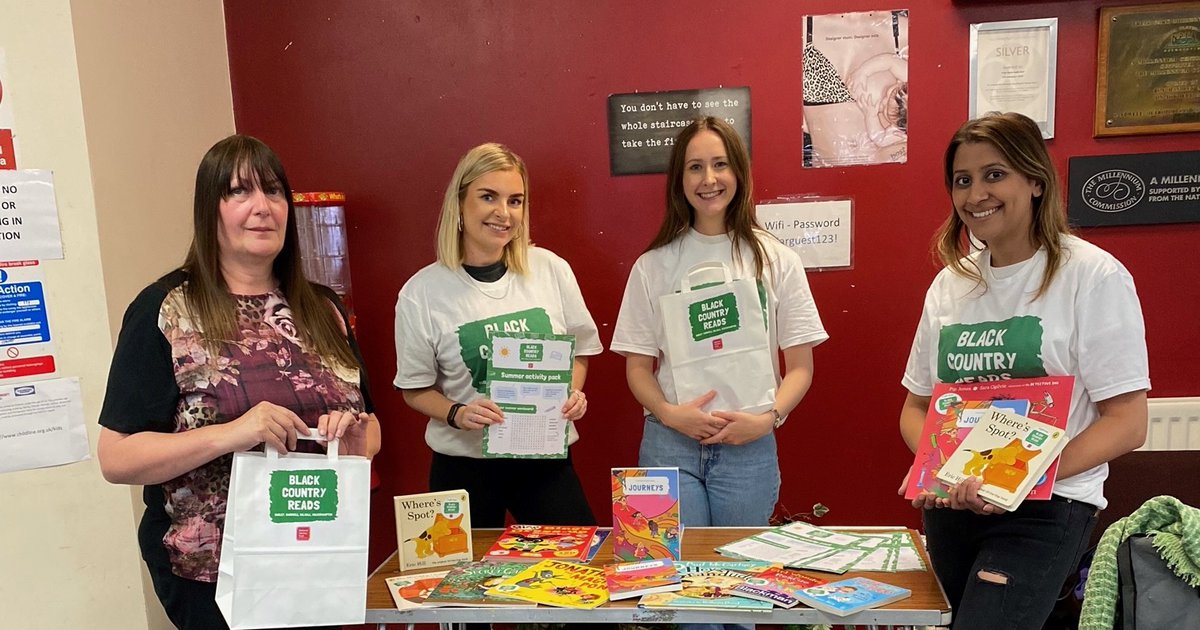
(163, 378)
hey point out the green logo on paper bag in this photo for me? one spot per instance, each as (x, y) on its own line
(991, 351)
(475, 338)
(714, 316)
(531, 352)
(303, 496)
(1036, 437)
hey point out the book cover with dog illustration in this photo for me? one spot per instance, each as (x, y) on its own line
(956, 408)
(433, 529)
(1008, 452)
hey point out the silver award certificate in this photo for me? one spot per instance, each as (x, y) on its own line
(1013, 69)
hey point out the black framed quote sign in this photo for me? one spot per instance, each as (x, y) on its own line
(642, 126)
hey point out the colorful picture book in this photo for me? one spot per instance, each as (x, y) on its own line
(646, 523)
(709, 586)
(556, 583)
(634, 579)
(1008, 452)
(601, 535)
(534, 543)
(433, 529)
(467, 585)
(410, 591)
(846, 597)
(776, 585)
(956, 408)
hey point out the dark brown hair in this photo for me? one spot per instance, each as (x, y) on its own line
(1019, 140)
(208, 298)
(740, 218)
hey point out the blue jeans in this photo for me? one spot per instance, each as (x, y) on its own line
(719, 485)
(1027, 555)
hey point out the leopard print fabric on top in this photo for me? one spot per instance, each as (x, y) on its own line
(822, 85)
(266, 361)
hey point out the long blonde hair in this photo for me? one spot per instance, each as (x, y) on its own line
(480, 161)
(1019, 140)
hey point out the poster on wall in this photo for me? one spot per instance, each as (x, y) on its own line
(1136, 189)
(29, 216)
(642, 126)
(8, 156)
(817, 229)
(26, 347)
(1013, 69)
(855, 89)
(41, 424)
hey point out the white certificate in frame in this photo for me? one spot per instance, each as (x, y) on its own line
(1013, 68)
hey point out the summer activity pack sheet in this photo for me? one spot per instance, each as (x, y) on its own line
(803, 546)
(529, 378)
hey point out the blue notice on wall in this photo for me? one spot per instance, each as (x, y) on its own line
(23, 314)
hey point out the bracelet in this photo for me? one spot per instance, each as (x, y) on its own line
(454, 412)
(778, 417)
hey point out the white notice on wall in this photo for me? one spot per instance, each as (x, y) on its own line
(26, 347)
(818, 230)
(41, 424)
(28, 216)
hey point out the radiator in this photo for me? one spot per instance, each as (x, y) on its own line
(1174, 425)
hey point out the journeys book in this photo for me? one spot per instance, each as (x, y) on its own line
(846, 597)
(533, 543)
(646, 521)
(776, 584)
(634, 579)
(410, 591)
(709, 586)
(433, 529)
(556, 583)
(955, 408)
(467, 585)
(1009, 452)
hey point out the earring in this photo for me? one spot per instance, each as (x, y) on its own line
(460, 225)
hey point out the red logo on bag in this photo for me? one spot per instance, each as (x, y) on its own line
(303, 533)
(718, 344)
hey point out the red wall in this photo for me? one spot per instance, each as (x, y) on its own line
(380, 99)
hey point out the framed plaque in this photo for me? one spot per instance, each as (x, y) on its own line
(1148, 69)
(1013, 67)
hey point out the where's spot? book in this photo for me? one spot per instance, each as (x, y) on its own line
(433, 529)
(846, 597)
(1008, 452)
(646, 517)
(956, 408)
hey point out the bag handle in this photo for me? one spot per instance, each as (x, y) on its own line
(331, 447)
(685, 283)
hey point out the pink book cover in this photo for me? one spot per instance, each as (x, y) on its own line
(955, 409)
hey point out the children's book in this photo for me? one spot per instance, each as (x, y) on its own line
(534, 543)
(956, 408)
(467, 585)
(776, 584)
(634, 579)
(598, 539)
(709, 586)
(846, 597)
(646, 523)
(1009, 452)
(410, 591)
(433, 529)
(556, 583)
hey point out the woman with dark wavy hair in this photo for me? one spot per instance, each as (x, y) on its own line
(728, 467)
(1055, 305)
(234, 349)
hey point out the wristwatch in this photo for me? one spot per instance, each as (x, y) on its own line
(779, 419)
(454, 412)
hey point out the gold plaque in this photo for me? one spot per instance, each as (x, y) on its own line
(1148, 69)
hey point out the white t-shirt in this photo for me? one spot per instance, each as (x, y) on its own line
(792, 317)
(1088, 325)
(444, 321)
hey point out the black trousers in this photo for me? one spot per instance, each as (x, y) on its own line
(535, 491)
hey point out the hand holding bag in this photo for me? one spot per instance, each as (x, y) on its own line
(717, 340)
(294, 551)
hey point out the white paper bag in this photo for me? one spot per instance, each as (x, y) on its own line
(294, 551)
(717, 339)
